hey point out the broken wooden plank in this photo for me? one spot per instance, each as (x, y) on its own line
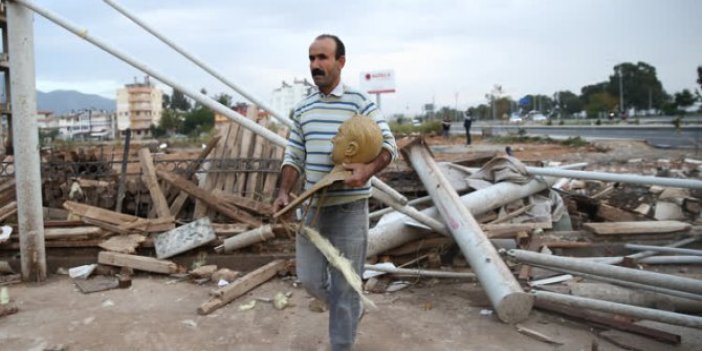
(149, 178)
(116, 218)
(613, 214)
(637, 227)
(226, 294)
(178, 197)
(75, 233)
(229, 229)
(123, 243)
(537, 335)
(8, 210)
(142, 263)
(184, 238)
(246, 203)
(210, 199)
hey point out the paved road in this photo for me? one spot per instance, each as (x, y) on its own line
(659, 136)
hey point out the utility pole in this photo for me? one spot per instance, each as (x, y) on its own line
(621, 92)
(455, 113)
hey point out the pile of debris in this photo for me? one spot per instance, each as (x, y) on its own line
(533, 237)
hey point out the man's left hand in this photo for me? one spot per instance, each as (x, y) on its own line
(360, 173)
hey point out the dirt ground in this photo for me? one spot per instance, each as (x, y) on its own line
(157, 313)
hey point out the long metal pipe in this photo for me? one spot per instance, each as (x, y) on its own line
(508, 299)
(194, 94)
(628, 284)
(628, 274)
(412, 212)
(620, 308)
(644, 254)
(420, 272)
(613, 177)
(673, 250)
(377, 214)
(26, 142)
(653, 260)
(260, 103)
(393, 233)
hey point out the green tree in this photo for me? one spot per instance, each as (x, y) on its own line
(568, 102)
(179, 102)
(600, 103)
(640, 85)
(503, 107)
(224, 99)
(699, 81)
(197, 121)
(539, 102)
(588, 91)
(171, 121)
(684, 99)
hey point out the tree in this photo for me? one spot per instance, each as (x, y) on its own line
(171, 121)
(684, 99)
(589, 90)
(538, 102)
(568, 102)
(641, 86)
(224, 99)
(503, 107)
(179, 102)
(600, 103)
(699, 81)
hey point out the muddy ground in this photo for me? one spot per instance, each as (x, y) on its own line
(157, 313)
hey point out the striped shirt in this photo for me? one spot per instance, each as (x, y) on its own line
(316, 121)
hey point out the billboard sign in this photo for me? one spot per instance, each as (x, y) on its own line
(378, 82)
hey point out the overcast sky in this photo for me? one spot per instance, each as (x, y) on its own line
(438, 49)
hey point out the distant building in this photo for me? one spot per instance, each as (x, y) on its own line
(283, 99)
(139, 105)
(86, 125)
(46, 120)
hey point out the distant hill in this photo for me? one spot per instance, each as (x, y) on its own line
(64, 101)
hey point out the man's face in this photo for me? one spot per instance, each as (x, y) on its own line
(324, 67)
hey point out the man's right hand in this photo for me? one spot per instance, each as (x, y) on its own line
(281, 201)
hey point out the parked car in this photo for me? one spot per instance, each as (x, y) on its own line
(536, 116)
(515, 118)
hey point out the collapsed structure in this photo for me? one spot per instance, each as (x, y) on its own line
(506, 220)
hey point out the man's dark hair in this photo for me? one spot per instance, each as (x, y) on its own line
(340, 48)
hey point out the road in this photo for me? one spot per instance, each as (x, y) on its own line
(663, 136)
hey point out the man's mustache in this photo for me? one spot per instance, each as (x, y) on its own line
(317, 72)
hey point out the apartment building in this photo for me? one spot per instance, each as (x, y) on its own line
(139, 105)
(283, 99)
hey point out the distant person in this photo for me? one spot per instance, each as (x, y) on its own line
(445, 127)
(467, 121)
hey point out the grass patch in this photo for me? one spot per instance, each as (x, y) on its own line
(427, 127)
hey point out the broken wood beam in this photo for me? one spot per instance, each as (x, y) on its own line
(119, 219)
(211, 200)
(637, 227)
(142, 263)
(508, 299)
(176, 196)
(8, 210)
(149, 177)
(241, 286)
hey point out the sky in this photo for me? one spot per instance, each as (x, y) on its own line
(448, 52)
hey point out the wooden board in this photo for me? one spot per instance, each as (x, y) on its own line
(224, 295)
(96, 284)
(119, 219)
(142, 263)
(149, 178)
(184, 238)
(123, 243)
(638, 227)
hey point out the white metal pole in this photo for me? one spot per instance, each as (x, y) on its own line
(510, 302)
(260, 103)
(620, 308)
(673, 250)
(614, 177)
(26, 142)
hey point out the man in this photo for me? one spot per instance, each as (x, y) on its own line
(340, 213)
(467, 121)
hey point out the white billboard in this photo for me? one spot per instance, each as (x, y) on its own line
(378, 82)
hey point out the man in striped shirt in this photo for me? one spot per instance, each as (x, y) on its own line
(340, 213)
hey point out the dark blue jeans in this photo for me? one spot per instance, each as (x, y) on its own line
(346, 227)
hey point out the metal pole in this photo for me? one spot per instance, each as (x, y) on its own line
(672, 250)
(391, 234)
(613, 177)
(26, 142)
(123, 174)
(644, 254)
(419, 272)
(666, 281)
(510, 302)
(621, 309)
(195, 95)
(417, 201)
(258, 102)
(412, 212)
